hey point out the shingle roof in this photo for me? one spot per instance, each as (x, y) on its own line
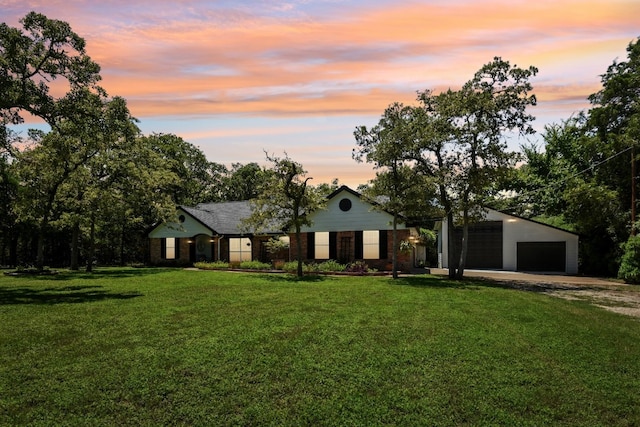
(222, 218)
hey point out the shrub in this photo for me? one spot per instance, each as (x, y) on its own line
(292, 267)
(331, 265)
(275, 245)
(254, 265)
(630, 265)
(216, 265)
(358, 267)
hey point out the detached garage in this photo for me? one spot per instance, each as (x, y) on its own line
(507, 242)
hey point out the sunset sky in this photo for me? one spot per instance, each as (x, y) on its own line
(236, 78)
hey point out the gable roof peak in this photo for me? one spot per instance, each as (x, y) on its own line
(341, 189)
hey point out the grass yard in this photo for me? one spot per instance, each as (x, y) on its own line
(176, 347)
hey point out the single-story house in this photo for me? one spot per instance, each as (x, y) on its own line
(508, 242)
(206, 232)
(348, 230)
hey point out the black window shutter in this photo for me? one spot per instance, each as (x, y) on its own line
(163, 248)
(333, 245)
(177, 243)
(311, 246)
(382, 242)
(358, 253)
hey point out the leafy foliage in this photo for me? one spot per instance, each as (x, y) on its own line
(255, 265)
(91, 179)
(455, 141)
(193, 172)
(630, 265)
(357, 267)
(398, 188)
(276, 245)
(285, 201)
(331, 266)
(214, 265)
(31, 58)
(582, 178)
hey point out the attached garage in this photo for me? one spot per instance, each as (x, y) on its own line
(508, 242)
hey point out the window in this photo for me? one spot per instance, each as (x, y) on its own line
(239, 249)
(170, 248)
(370, 244)
(285, 240)
(322, 245)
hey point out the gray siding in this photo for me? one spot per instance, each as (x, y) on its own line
(361, 216)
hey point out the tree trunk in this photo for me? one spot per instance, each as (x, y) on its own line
(92, 243)
(394, 255)
(13, 250)
(451, 253)
(464, 245)
(298, 252)
(75, 246)
(40, 250)
(122, 241)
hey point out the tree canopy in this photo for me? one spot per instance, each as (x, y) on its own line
(456, 140)
(44, 52)
(285, 201)
(398, 188)
(582, 178)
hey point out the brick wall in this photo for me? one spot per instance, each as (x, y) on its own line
(404, 259)
(155, 253)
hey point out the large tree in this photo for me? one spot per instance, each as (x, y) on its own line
(615, 118)
(285, 201)
(45, 52)
(196, 175)
(397, 188)
(461, 141)
(59, 157)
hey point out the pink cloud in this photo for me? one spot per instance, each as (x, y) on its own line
(257, 64)
(168, 58)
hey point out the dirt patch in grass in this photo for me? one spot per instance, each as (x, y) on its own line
(617, 297)
(619, 301)
(607, 294)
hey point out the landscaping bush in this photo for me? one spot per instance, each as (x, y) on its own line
(292, 267)
(358, 267)
(254, 265)
(323, 267)
(630, 265)
(331, 265)
(216, 265)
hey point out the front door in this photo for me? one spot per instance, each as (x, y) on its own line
(202, 248)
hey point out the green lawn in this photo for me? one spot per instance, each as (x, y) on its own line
(175, 347)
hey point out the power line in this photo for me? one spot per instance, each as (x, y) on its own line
(558, 183)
